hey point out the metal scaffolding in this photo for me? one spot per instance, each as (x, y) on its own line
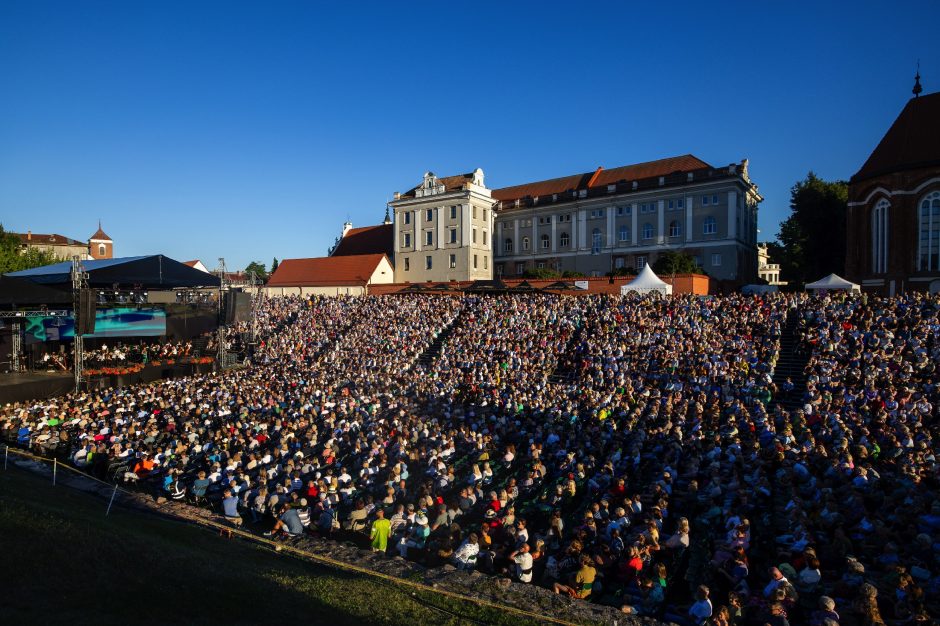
(79, 282)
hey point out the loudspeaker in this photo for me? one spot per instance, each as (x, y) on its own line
(236, 307)
(86, 313)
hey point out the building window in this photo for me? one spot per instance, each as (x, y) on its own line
(640, 263)
(499, 269)
(624, 233)
(715, 199)
(596, 213)
(716, 259)
(520, 268)
(474, 235)
(453, 212)
(596, 241)
(705, 200)
(623, 210)
(675, 228)
(564, 240)
(618, 263)
(407, 264)
(545, 242)
(647, 231)
(485, 239)
(525, 244)
(407, 218)
(649, 207)
(453, 235)
(406, 242)
(507, 246)
(474, 262)
(101, 249)
(429, 215)
(486, 262)
(428, 264)
(709, 226)
(484, 215)
(474, 212)
(564, 218)
(879, 237)
(540, 265)
(545, 220)
(675, 205)
(928, 246)
(453, 261)
(429, 237)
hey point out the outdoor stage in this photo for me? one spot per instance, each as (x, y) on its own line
(44, 385)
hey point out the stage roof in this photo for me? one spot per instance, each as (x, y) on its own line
(150, 272)
(21, 292)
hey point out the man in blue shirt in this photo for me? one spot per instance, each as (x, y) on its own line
(288, 523)
(230, 508)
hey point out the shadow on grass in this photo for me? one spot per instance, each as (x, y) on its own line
(65, 562)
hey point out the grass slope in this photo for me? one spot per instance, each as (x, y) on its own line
(64, 562)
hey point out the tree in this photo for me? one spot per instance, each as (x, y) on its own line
(812, 239)
(258, 269)
(14, 258)
(674, 262)
(274, 265)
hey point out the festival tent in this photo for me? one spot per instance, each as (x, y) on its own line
(647, 282)
(833, 282)
(149, 272)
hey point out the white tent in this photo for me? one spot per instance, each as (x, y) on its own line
(646, 282)
(833, 282)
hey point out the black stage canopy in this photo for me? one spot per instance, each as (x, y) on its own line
(149, 272)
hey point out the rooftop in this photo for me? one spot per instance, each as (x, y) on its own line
(326, 271)
(912, 142)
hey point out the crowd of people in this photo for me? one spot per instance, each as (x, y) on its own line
(660, 475)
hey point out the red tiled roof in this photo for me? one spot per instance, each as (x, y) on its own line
(191, 263)
(602, 177)
(48, 240)
(451, 183)
(912, 142)
(367, 240)
(326, 271)
(100, 234)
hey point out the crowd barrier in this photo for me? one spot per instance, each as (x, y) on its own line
(283, 547)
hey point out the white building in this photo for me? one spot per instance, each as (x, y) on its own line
(765, 269)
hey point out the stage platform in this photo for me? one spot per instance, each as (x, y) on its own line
(34, 386)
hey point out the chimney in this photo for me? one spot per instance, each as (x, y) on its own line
(29, 235)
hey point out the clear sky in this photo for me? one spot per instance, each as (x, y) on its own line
(251, 130)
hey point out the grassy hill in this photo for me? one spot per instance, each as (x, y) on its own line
(64, 562)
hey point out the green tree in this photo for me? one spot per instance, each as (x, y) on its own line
(258, 269)
(14, 258)
(274, 265)
(675, 262)
(812, 239)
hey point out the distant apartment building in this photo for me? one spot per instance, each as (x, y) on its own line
(597, 222)
(765, 269)
(98, 246)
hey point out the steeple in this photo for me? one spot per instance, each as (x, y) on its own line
(917, 88)
(388, 220)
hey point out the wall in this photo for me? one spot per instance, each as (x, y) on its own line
(681, 284)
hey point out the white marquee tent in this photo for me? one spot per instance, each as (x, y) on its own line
(832, 282)
(646, 282)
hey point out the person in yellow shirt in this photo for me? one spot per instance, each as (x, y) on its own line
(381, 529)
(583, 580)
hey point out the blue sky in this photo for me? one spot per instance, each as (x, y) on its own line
(252, 130)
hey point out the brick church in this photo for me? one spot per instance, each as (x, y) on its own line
(893, 229)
